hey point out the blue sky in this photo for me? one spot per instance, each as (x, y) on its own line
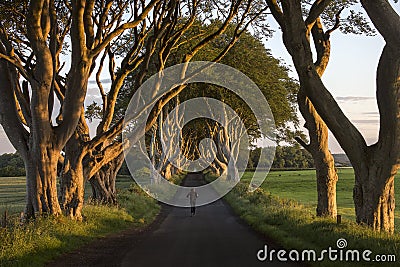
(350, 77)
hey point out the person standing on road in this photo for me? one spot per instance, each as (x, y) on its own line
(192, 195)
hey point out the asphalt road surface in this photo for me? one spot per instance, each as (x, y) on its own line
(213, 237)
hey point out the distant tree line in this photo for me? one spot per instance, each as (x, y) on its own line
(11, 164)
(285, 157)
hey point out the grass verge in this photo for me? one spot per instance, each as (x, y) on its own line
(39, 241)
(294, 226)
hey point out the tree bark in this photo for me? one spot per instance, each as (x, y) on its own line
(375, 202)
(72, 187)
(375, 165)
(214, 169)
(38, 148)
(323, 160)
(318, 131)
(374, 186)
(103, 182)
(168, 171)
(72, 180)
(41, 172)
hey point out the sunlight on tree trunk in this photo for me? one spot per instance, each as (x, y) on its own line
(375, 165)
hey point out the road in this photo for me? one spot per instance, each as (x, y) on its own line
(213, 237)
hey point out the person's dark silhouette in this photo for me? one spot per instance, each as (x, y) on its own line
(192, 195)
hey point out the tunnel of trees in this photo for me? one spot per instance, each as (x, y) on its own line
(51, 50)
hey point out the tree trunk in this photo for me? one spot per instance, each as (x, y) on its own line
(374, 198)
(214, 169)
(168, 171)
(103, 186)
(72, 180)
(41, 182)
(374, 184)
(233, 173)
(103, 182)
(221, 166)
(323, 159)
(317, 129)
(326, 183)
(319, 149)
(72, 187)
(376, 165)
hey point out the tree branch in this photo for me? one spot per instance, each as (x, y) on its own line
(385, 19)
(316, 10)
(17, 63)
(337, 23)
(88, 23)
(276, 11)
(298, 46)
(122, 28)
(16, 133)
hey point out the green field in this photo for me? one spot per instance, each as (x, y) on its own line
(297, 185)
(12, 194)
(13, 190)
(284, 210)
(301, 187)
(38, 241)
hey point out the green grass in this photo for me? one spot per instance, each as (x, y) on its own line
(12, 194)
(13, 190)
(301, 187)
(39, 241)
(284, 209)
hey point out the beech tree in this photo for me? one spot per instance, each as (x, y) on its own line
(267, 72)
(376, 165)
(102, 155)
(317, 130)
(319, 29)
(164, 137)
(35, 40)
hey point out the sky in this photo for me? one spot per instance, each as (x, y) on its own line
(350, 77)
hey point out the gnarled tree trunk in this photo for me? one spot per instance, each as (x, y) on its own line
(374, 184)
(103, 182)
(167, 173)
(375, 165)
(72, 180)
(41, 184)
(375, 202)
(323, 159)
(318, 131)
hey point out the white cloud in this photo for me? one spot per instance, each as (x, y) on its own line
(102, 81)
(354, 98)
(366, 121)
